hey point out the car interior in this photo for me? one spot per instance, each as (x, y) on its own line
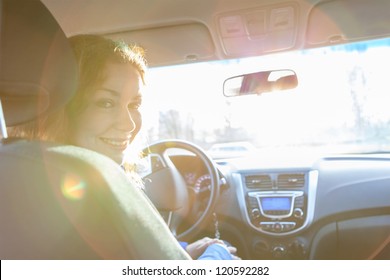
(64, 202)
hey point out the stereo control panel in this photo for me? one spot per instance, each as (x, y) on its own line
(277, 211)
(277, 203)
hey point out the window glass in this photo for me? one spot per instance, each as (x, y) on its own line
(340, 104)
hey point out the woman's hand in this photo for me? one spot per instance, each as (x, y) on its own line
(197, 248)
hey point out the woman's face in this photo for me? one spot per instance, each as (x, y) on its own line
(111, 118)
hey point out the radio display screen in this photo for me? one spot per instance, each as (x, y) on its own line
(276, 203)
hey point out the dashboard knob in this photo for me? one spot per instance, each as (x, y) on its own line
(255, 213)
(278, 251)
(298, 213)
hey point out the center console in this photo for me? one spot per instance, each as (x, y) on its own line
(277, 211)
(279, 203)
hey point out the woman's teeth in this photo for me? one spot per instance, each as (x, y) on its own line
(116, 143)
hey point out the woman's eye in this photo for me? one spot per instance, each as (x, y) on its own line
(134, 106)
(105, 103)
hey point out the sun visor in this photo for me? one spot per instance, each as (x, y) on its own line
(38, 71)
(179, 43)
(347, 20)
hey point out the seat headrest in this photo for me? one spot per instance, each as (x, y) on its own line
(38, 70)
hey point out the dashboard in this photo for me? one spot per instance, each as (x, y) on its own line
(193, 171)
(335, 207)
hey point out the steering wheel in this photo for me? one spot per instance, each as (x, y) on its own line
(167, 189)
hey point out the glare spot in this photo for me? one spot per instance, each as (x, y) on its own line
(73, 187)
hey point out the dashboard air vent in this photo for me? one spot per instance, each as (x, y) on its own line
(261, 181)
(288, 181)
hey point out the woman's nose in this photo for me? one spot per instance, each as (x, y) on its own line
(126, 121)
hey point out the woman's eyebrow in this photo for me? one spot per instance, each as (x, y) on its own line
(113, 92)
(117, 94)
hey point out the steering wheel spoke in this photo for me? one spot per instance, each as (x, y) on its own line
(167, 188)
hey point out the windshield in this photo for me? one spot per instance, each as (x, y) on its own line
(340, 104)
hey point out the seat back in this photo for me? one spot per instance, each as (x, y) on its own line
(38, 70)
(58, 201)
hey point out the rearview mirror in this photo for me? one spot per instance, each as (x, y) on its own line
(260, 82)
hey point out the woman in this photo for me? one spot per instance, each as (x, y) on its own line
(104, 115)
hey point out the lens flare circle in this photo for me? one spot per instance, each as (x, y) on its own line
(73, 187)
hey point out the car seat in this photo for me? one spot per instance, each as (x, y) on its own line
(57, 201)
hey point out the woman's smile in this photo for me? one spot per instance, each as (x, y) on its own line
(116, 143)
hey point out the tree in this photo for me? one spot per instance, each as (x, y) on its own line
(357, 80)
(173, 125)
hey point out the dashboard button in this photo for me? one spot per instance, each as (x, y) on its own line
(278, 227)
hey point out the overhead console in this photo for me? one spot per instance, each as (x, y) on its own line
(279, 203)
(259, 30)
